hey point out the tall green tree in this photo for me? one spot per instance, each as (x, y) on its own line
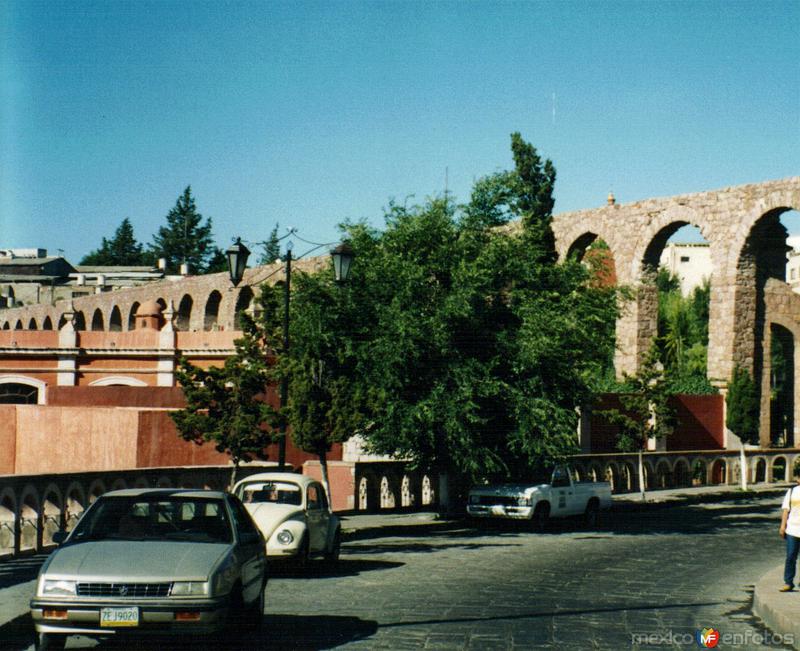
(227, 406)
(271, 248)
(742, 413)
(121, 250)
(646, 413)
(186, 237)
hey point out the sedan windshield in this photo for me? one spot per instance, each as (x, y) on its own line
(155, 517)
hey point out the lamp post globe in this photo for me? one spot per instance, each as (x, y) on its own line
(237, 256)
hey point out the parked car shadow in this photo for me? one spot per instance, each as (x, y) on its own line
(319, 568)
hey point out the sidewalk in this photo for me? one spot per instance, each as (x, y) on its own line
(780, 611)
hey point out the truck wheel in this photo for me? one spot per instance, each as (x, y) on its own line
(592, 514)
(540, 517)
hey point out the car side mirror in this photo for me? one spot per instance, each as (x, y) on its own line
(59, 537)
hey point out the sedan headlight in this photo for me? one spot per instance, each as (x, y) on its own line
(189, 589)
(57, 588)
(523, 501)
(285, 537)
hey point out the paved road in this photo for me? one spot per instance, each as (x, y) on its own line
(659, 575)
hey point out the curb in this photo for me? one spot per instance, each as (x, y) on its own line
(621, 505)
(779, 611)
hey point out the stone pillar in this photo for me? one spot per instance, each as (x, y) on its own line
(765, 413)
(67, 350)
(166, 349)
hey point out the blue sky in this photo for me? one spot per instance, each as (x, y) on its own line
(308, 113)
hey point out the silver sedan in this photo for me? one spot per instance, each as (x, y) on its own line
(152, 561)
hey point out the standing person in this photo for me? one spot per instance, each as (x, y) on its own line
(790, 530)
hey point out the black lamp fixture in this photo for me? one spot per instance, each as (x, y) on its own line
(342, 261)
(237, 260)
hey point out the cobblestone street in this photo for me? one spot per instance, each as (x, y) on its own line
(643, 580)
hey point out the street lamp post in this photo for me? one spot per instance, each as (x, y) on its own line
(237, 254)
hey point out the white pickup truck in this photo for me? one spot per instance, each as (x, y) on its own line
(538, 502)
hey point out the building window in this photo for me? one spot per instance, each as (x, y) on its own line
(18, 394)
(684, 258)
(793, 274)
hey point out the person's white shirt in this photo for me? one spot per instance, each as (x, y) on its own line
(793, 522)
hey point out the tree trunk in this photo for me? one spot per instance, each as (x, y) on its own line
(323, 463)
(742, 466)
(641, 475)
(234, 472)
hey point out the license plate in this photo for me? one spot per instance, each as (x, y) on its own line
(119, 616)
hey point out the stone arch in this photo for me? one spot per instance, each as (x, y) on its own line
(663, 474)
(20, 389)
(8, 522)
(119, 484)
(115, 320)
(211, 313)
(700, 472)
(363, 494)
(29, 512)
(628, 477)
(183, 317)
(132, 315)
(79, 321)
(611, 475)
(387, 494)
(428, 494)
(779, 404)
(52, 509)
(47, 324)
(96, 489)
(118, 380)
(18, 325)
(760, 470)
(243, 301)
(75, 505)
(719, 471)
(407, 497)
(32, 324)
(649, 474)
(6, 326)
(779, 469)
(680, 472)
(596, 472)
(98, 322)
(141, 482)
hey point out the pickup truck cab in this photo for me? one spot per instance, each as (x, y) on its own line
(537, 502)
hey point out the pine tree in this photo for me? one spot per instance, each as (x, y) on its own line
(121, 250)
(185, 238)
(271, 248)
(742, 414)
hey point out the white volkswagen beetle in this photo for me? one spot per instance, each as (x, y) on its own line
(292, 512)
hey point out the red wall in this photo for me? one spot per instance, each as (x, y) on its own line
(341, 476)
(8, 439)
(700, 424)
(116, 396)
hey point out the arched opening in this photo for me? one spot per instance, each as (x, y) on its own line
(363, 494)
(62, 321)
(761, 471)
(676, 281)
(767, 260)
(387, 495)
(18, 393)
(611, 476)
(719, 472)
(51, 515)
(96, 489)
(18, 325)
(47, 324)
(79, 321)
(681, 474)
(406, 495)
(132, 315)
(628, 477)
(243, 302)
(428, 494)
(97, 320)
(781, 383)
(29, 522)
(212, 310)
(6, 326)
(699, 473)
(779, 469)
(32, 325)
(115, 320)
(7, 525)
(162, 304)
(663, 475)
(75, 506)
(184, 315)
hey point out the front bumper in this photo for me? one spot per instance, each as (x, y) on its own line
(500, 511)
(155, 615)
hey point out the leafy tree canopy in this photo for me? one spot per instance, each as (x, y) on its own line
(121, 250)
